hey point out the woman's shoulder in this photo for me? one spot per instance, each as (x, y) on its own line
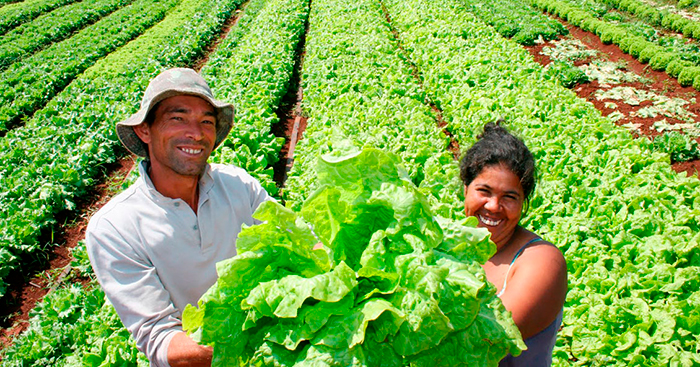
(535, 244)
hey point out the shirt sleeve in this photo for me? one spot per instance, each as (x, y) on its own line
(257, 193)
(132, 285)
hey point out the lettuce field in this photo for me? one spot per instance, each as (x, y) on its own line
(604, 92)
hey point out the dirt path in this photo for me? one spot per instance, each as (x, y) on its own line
(23, 294)
(657, 82)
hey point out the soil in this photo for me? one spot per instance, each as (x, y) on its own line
(453, 146)
(292, 122)
(661, 83)
(23, 294)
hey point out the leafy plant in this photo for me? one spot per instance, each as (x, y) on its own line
(568, 74)
(678, 146)
(396, 287)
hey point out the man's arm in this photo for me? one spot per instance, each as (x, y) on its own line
(134, 288)
(183, 351)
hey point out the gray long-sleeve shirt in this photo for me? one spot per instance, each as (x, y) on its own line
(153, 255)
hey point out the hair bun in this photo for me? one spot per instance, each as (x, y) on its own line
(494, 128)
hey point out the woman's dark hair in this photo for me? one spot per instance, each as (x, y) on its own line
(497, 146)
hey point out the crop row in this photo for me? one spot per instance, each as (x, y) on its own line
(57, 154)
(12, 15)
(656, 17)
(517, 20)
(358, 91)
(658, 57)
(52, 27)
(92, 332)
(253, 69)
(28, 84)
(627, 223)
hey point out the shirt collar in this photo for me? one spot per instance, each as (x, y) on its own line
(206, 182)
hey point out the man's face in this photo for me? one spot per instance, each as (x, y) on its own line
(181, 137)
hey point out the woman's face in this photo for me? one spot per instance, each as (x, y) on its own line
(496, 198)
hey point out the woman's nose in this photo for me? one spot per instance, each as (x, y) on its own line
(492, 204)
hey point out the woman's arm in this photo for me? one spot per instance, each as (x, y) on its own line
(537, 287)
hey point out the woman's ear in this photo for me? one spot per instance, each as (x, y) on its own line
(143, 132)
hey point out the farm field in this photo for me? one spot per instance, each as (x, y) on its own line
(605, 93)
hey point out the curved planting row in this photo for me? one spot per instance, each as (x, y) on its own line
(517, 20)
(628, 224)
(52, 27)
(662, 18)
(358, 90)
(90, 329)
(658, 57)
(252, 68)
(27, 85)
(56, 155)
(74, 326)
(12, 15)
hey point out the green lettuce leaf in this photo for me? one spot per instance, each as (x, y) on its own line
(394, 285)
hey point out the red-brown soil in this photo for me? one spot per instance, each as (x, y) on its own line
(661, 83)
(23, 296)
(292, 124)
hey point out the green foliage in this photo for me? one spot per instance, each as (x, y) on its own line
(626, 43)
(256, 85)
(28, 84)
(638, 39)
(661, 60)
(679, 147)
(58, 153)
(609, 33)
(517, 21)
(637, 47)
(567, 74)
(13, 15)
(74, 326)
(53, 27)
(395, 287)
(688, 75)
(676, 66)
(690, 29)
(649, 52)
(605, 198)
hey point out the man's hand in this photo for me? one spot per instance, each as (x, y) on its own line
(183, 351)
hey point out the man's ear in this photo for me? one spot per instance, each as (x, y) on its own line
(143, 132)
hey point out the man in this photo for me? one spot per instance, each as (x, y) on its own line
(154, 247)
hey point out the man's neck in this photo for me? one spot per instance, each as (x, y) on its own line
(175, 186)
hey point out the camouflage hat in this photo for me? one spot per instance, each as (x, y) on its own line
(170, 83)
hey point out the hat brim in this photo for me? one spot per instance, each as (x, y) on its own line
(125, 129)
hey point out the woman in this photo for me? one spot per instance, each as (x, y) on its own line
(529, 273)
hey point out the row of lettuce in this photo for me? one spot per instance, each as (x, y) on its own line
(52, 27)
(12, 15)
(90, 333)
(627, 223)
(55, 157)
(632, 291)
(32, 81)
(677, 58)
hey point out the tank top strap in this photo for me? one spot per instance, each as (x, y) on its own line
(517, 254)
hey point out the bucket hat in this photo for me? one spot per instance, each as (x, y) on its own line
(170, 83)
